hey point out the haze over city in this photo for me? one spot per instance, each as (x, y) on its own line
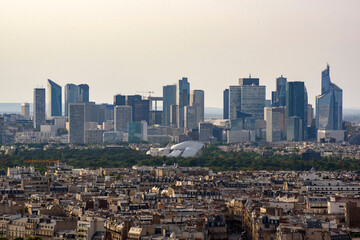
(129, 46)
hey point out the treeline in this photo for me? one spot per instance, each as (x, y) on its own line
(212, 157)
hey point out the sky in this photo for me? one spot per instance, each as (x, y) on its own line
(136, 46)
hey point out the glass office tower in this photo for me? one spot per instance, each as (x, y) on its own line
(329, 104)
(296, 111)
(278, 97)
(169, 98)
(54, 99)
(182, 99)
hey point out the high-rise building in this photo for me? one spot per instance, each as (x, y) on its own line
(2, 130)
(278, 97)
(329, 104)
(84, 93)
(190, 121)
(77, 122)
(75, 94)
(39, 107)
(137, 132)
(54, 99)
(72, 93)
(197, 101)
(169, 98)
(205, 131)
(247, 98)
(119, 100)
(122, 116)
(296, 111)
(25, 110)
(275, 124)
(173, 115)
(226, 104)
(141, 109)
(130, 101)
(182, 99)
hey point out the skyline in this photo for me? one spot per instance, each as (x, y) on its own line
(117, 47)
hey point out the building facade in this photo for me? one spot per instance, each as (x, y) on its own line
(54, 99)
(182, 99)
(329, 104)
(39, 107)
(296, 111)
(123, 115)
(169, 98)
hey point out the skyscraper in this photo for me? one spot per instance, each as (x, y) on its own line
(275, 124)
(169, 98)
(226, 104)
(122, 116)
(296, 111)
(25, 110)
(247, 98)
(137, 132)
(77, 122)
(182, 99)
(190, 121)
(2, 130)
(54, 101)
(329, 104)
(197, 101)
(72, 93)
(278, 97)
(83, 93)
(39, 107)
(119, 100)
(141, 109)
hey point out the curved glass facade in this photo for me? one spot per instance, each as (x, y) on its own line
(329, 104)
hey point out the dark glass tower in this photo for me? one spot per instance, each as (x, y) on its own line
(71, 96)
(169, 98)
(54, 99)
(39, 107)
(119, 100)
(278, 97)
(296, 111)
(329, 104)
(182, 99)
(226, 104)
(83, 93)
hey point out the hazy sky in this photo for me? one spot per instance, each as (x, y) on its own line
(125, 46)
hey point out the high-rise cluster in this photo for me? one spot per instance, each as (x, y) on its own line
(290, 117)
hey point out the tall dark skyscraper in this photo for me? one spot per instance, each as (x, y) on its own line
(2, 130)
(71, 96)
(119, 100)
(76, 122)
(296, 111)
(182, 99)
(141, 109)
(84, 93)
(278, 97)
(169, 98)
(39, 107)
(226, 104)
(329, 104)
(54, 99)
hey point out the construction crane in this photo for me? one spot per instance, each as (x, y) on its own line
(149, 92)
